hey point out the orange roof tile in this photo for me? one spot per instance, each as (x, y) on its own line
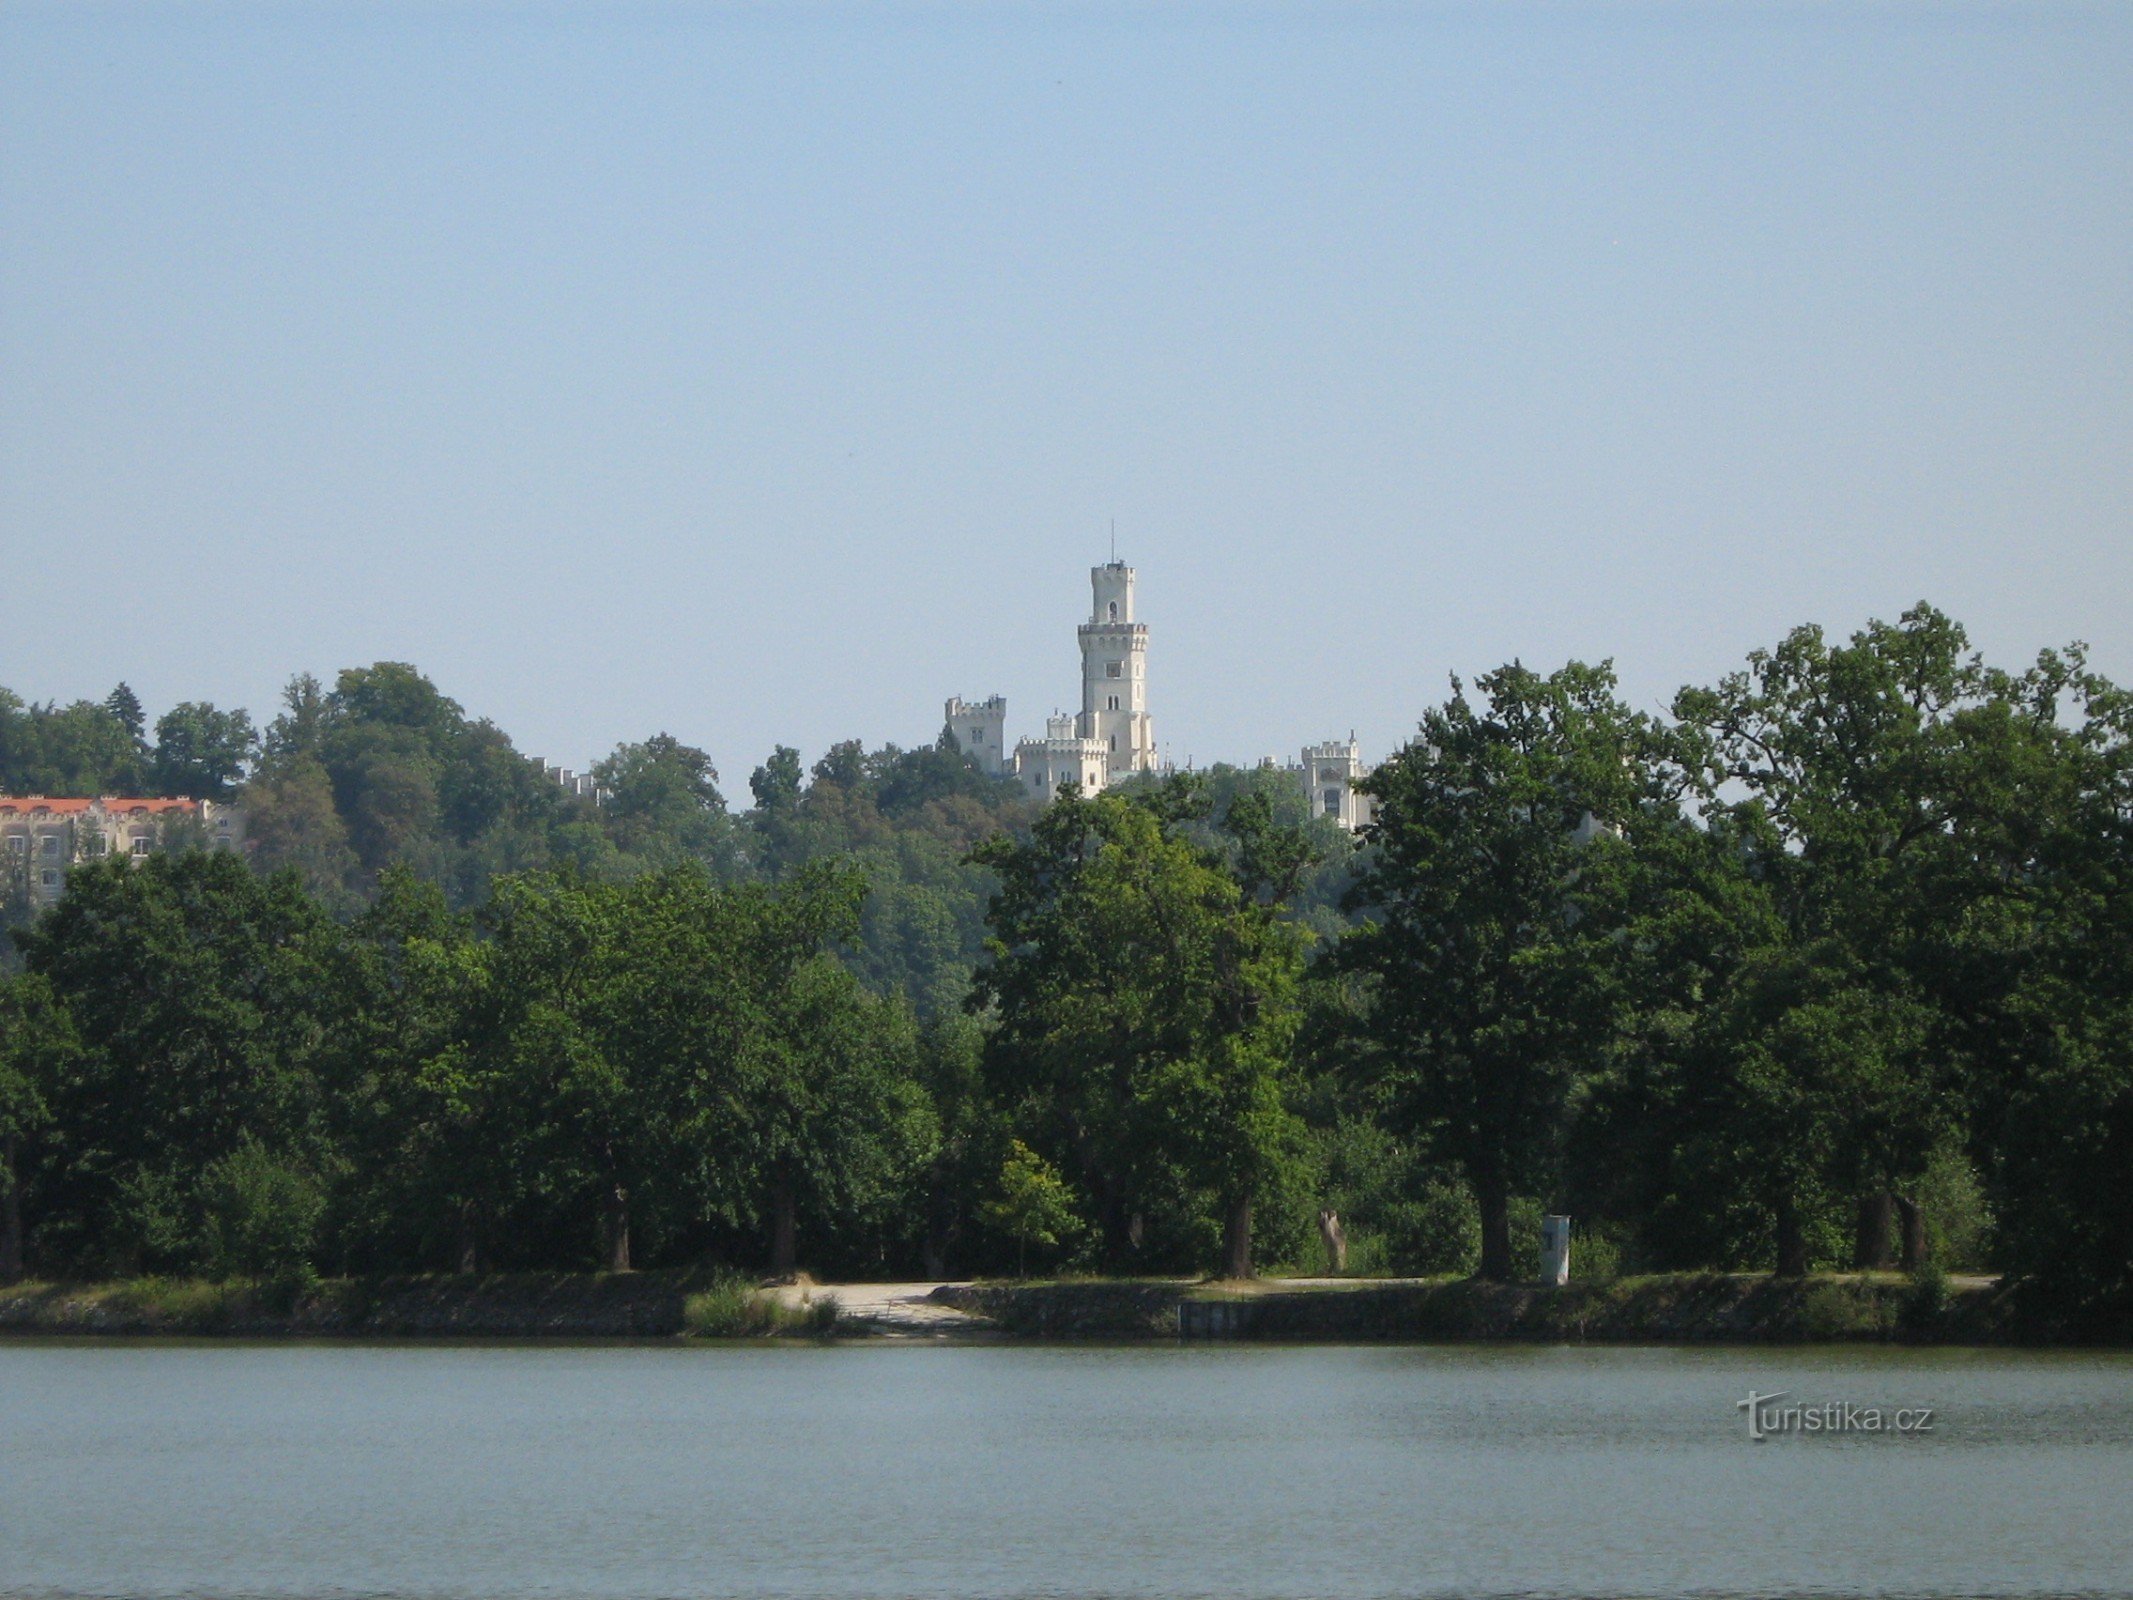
(30, 805)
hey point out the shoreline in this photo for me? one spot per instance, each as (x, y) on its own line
(1663, 1309)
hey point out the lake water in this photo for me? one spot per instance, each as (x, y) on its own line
(887, 1471)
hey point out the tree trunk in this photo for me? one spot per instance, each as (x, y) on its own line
(1237, 1240)
(615, 1228)
(1914, 1233)
(784, 1254)
(1877, 1219)
(1791, 1242)
(1495, 1202)
(466, 1236)
(10, 1213)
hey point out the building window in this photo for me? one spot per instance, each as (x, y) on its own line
(18, 844)
(51, 844)
(141, 845)
(1333, 802)
(1114, 669)
(50, 879)
(1114, 737)
(1114, 617)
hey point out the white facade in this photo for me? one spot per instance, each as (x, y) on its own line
(1330, 773)
(1113, 734)
(980, 727)
(40, 837)
(1114, 675)
(1061, 756)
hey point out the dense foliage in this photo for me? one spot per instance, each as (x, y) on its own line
(1833, 966)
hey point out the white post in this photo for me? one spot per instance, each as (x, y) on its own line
(1555, 1250)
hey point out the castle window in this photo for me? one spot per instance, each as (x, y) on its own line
(50, 879)
(1114, 669)
(1114, 617)
(1114, 737)
(18, 844)
(51, 844)
(141, 845)
(1333, 802)
(1114, 702)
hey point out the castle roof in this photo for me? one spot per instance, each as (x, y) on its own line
(136, 805)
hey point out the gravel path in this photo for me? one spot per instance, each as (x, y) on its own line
(904, 1310)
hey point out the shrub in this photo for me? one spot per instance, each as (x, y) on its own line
(1959, 1221)
(1925, 1302)
(734, 1308)
(1842, 1310)
(261, 1215)
(1596, 1253)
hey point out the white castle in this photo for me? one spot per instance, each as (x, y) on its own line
(1113, 737)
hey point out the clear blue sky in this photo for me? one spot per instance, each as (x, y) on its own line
(771, 374)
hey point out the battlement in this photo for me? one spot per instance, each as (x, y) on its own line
(979, 728)
(582, 784)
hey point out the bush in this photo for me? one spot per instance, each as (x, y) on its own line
(1596, 1253)
(1437, 1233)
(1959, 1221)
(1925, 1302)
(1842, 1310)
(734, 1308)
(261, 1215)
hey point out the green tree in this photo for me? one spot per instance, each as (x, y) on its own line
(1855, 766)
(664, 803)
(125, 708)
(1146, 1013)
(202, 752)
(37, 1050)
(1033, 1205)
(196, 990)
(292, 824)
(1490, 900)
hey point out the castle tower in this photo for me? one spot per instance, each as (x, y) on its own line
(1114, 675)
(1331, 772)
(980, 727)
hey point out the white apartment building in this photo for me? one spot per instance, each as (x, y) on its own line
(41, 837)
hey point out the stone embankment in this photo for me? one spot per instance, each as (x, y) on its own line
(1683, 1308)
(498, 1306)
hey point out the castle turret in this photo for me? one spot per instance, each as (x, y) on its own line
(1114, 675)
(980, 728)
(1330, 774)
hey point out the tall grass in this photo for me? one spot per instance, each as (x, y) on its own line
(734, 1308)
